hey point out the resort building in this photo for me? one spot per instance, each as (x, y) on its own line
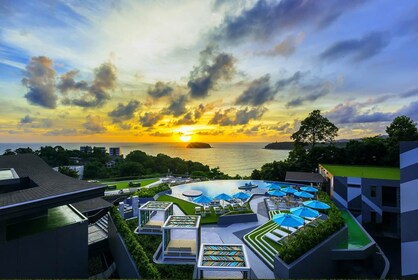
(409, 208)
(41, 234)
(304, 178)
(370, 193)
(383, 199)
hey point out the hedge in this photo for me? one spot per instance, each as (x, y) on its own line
(150, 244)
(145, 267)
(300, 243)
(150, 192)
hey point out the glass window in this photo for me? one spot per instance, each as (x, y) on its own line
(373, 191)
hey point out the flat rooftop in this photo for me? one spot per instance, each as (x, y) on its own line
(231, 256)
(370, 172)
(156, 206)
(39, 186)
(182, 222)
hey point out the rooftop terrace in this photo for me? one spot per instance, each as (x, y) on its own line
(370, 172)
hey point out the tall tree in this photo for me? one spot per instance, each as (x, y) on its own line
(68, 171)
(315, 128)
(402, 128)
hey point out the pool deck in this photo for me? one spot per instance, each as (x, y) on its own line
(215, 234)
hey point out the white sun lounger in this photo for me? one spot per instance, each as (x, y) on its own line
(273, 237)
(280, 232)
(292, 230)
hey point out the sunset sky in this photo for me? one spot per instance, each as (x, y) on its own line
(213, 71)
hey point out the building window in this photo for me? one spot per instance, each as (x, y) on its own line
(390, 196)
(373, 217)
(373, 191)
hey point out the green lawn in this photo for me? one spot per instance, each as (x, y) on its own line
(262, 246)
(189, 209)
(371, 172)
(125, 184)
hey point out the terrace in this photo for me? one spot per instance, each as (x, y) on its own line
(267, 239)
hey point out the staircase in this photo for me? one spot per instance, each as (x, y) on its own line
(102, 223)
(99, 230)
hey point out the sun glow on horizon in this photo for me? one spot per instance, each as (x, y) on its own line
(185, 138)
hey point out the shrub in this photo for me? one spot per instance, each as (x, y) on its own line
(150, 192)
(150, 244)
(145, 267)
(298, 244)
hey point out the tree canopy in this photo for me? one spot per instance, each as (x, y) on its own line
(68, 171)
(402, 128)
(314, 129)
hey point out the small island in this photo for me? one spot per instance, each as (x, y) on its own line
(279, 146)
(198, 145)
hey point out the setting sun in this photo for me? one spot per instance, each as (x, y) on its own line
(185, 138)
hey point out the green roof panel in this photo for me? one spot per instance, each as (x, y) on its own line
(370, 172)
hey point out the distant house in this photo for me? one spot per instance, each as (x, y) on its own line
(110, 164)
(86, 149)
(41, 234)
(114, 152)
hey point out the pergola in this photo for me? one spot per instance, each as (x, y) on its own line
(148, 211)
(181, 248)
(223, 257)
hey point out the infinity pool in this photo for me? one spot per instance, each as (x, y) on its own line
(213, 188)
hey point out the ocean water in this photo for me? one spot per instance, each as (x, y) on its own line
(232, 158)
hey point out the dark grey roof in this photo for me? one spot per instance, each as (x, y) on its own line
(94, 204)
(52, 188)
(305, 177)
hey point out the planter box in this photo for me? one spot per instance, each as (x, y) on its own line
(125, 264)
(316, 263)
(238, 218)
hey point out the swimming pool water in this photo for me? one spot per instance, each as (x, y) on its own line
(213, 188)
(356, 236)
